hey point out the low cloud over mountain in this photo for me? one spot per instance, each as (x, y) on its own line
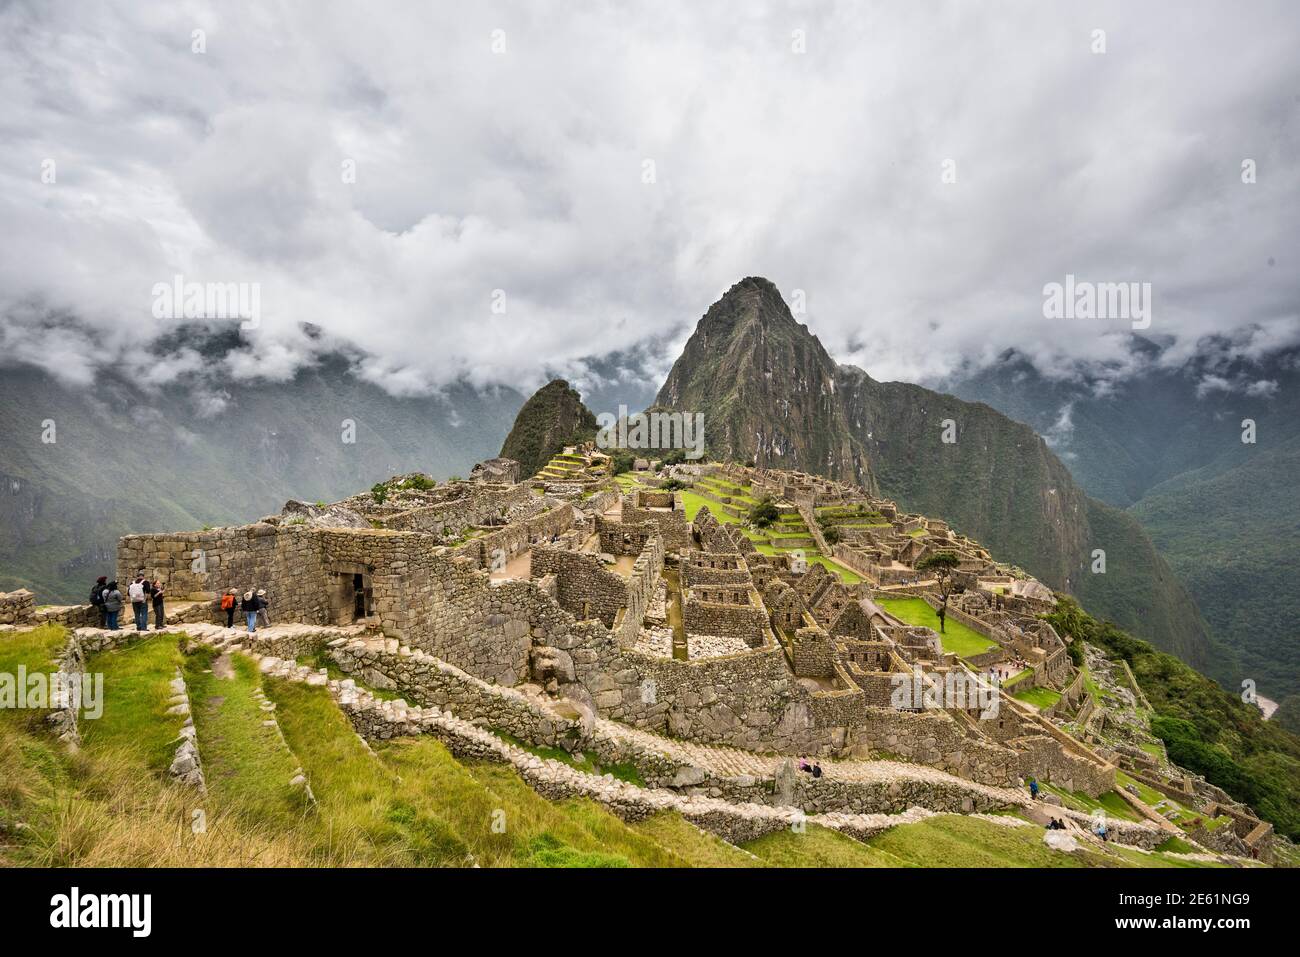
(536, 189)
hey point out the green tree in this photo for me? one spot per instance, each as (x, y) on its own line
(941, 565)
(764, 512)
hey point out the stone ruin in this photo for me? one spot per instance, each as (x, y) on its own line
(618, 605)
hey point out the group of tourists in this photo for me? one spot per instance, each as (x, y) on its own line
(142, 593)
(254, 606)
(106, 596)
(814, 769)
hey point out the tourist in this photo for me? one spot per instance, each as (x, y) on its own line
(228, 606)
(1033, 789)
(816, 770)
(135, 592)
(263, 607)
(112, 605)
(97, 598)
(249, 607)
(157, 604)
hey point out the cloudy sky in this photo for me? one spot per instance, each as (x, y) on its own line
(537, 185)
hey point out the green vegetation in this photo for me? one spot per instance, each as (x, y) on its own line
(1235, 552)
(137, 679)
(764, 513)
(379, 492)
(552, 418)
(422, 483)
(693, 502)
(244, 762)
(962, 640)
(1042, 698)
(941, 565)
(817, 847)
(698, 846)
(1205, 729)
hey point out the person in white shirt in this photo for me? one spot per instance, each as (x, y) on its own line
(139, 606)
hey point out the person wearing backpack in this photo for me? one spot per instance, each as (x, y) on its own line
(112, 605)
(249, 607)
(139, 607)
(97, 599)
(228, 606)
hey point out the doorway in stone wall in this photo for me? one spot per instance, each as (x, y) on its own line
(362, 596)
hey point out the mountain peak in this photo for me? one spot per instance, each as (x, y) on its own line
(751, 300)
(551, 419)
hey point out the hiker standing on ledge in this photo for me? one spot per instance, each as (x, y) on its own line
(135, 592)
(97, 598)
(263, 607)
(228, 601)
(112, 605)
(249, 607)
(157, 604)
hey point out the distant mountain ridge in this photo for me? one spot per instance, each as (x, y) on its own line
(771, 392)
(127, 459)
(1166, 445)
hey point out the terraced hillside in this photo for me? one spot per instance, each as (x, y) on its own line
(731, 502)
(287, 780)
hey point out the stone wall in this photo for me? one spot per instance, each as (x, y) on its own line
(747, 623)
(497, 547)
(673, 527)
(586, 588)
(16, 607)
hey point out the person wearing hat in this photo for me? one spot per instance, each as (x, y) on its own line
(249, 607)
(263, 607)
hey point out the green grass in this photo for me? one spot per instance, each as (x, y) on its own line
(818, 847)
(582, 825)
(698, 846)
(32, 650)
(366, 810)
(1110, 802)
(244, 762)
(692, 502)
(957, 638)
(137, 680)
(1018, 677)
(1176, 845)
(1042, 698)
(955, 841)
(411, 802)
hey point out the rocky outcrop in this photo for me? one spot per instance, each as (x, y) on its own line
(551, 419)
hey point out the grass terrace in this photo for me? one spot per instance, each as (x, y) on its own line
(957, 638)
(1040, 698)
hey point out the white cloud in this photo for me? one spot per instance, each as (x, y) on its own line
(523, 172)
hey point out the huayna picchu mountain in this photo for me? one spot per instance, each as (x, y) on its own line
(552, 418)
(770, 392)
(767, 388)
